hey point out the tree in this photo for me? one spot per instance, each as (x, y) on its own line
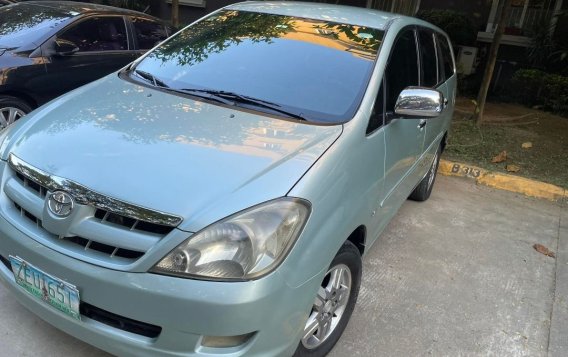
(175, 13)
(491, 59)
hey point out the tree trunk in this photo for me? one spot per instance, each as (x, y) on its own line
(175, 13)
(491, 59)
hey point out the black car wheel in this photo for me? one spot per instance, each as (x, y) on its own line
(12, 109)
(333, 305)
(424, 189)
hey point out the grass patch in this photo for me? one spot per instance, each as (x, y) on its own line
(508, 127)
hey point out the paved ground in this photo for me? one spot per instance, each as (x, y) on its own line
(456, 275)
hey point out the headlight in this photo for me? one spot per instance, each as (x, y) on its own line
(244, 246)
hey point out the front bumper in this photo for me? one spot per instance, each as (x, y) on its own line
(185, 309)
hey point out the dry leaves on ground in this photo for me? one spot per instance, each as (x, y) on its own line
(543, 250)
(500, 158)
(527, 145)
(512, 168)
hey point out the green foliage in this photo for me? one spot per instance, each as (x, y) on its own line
(548, 49)
(535, 87)
(228, 28)
(456, 24)
(220, 31)
(138, 5)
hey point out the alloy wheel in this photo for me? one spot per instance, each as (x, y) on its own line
(9, 115)
(329, 306)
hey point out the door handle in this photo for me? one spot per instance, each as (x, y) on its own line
(422, 124)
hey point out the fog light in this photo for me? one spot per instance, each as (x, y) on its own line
(226, 341)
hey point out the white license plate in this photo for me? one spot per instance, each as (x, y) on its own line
(51, 290)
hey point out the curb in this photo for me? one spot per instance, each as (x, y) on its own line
(505, 182)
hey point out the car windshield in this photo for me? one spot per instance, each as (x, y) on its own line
(317, 70)
(23, 24)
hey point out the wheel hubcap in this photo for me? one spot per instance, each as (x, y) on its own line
(329, 306)
(9, 115)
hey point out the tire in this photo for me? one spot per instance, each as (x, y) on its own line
(12, 109)
(424, 189)
(330, 304)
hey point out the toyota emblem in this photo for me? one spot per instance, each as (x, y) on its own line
(60, 203)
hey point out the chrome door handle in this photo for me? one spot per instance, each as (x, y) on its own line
(422, 124)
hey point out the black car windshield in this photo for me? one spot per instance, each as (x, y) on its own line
(317, 70)
(23, 24)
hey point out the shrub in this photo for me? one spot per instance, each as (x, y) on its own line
(456, 24)
(535, 87)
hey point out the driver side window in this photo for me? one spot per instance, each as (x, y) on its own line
(98, 34)
(402, 69)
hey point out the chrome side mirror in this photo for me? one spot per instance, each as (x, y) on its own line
(419, 102)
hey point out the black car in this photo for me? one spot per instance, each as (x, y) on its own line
(48, 48)
(6, 2)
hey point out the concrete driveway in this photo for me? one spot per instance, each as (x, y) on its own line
(456, 275)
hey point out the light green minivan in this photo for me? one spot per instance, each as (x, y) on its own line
(216, 197)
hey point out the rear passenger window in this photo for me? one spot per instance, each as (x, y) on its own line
(148, 33)
(428, 58)
(447, 62)
(402, 69)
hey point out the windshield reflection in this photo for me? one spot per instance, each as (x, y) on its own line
(317, 68)
(22, 24)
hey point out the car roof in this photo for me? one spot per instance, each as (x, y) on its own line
(73, 8)
(320, 11)
(351, 15)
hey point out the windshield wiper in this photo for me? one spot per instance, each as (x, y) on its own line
(151, 78)
(239, 98)
(202, 93)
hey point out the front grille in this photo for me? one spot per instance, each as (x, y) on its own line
(131, 223)
(107, 229)
(32, 185)
(103, 215)
(28, 215)
(119, 322)
(104, 248)
(84, 242)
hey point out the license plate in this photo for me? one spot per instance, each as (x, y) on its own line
(51, 290)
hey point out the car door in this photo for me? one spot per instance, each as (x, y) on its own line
(446, 70)
(404, 137)
(431, 76)
(102, 47)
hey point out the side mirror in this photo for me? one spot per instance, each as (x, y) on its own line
(65, 47)
(419, 102)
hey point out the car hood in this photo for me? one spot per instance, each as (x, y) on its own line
(166, 152)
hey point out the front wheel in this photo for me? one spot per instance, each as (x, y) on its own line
(12, 109)
(333, 305)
